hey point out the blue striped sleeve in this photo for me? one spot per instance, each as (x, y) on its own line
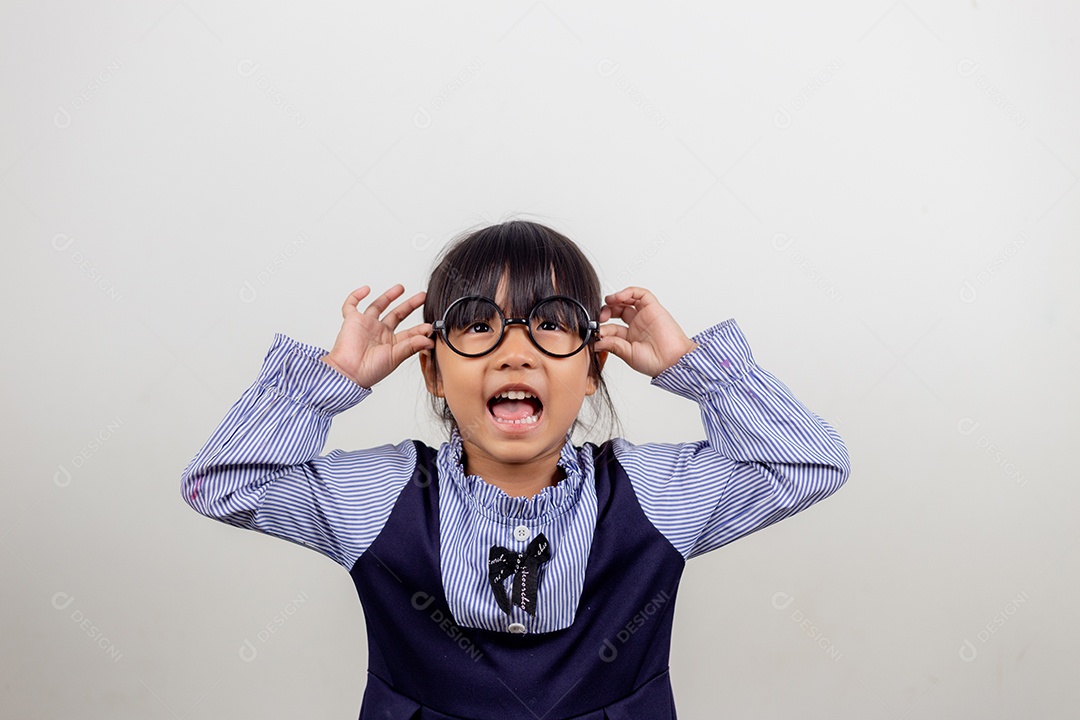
(260, 470)
(766, 456)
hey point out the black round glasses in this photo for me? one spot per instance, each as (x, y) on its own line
(558, 325)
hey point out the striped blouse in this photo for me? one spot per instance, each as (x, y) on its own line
(766, 457)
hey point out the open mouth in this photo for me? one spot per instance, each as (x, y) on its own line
(515, 407)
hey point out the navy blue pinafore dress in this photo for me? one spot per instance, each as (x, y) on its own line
(610, 664)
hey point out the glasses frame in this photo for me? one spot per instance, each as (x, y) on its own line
(592, 326)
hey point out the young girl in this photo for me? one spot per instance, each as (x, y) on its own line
(509, 573)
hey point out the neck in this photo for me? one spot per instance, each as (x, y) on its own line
(523, 479)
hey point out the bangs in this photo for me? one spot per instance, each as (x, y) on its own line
(536, 261)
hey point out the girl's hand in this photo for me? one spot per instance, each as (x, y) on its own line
(651, 341)
(367, 349)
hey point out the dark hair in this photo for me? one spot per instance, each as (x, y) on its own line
(528, 253)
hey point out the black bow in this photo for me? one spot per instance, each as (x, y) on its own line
(503, 562)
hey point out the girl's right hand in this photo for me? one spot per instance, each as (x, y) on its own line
(367, 349)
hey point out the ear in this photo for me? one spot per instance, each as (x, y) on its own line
(591, 384)
(427, 367)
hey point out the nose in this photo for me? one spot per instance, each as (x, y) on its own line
(516, 347)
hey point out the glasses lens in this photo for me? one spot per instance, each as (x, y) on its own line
(473, 325)
(559, 326)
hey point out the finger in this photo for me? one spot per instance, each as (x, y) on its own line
(619, 298)
(354, 298)
(402, 311)
(632, 295)
(423, 329)
(375, 309)
(614, 310)
(614, 344)
(627, 297)
(628, 302)
(626, 313)
(613, 330)
(403, 350)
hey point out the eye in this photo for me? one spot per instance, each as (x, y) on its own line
(551, 326)
(481, 327)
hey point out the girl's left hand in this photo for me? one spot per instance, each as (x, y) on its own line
(651, 341)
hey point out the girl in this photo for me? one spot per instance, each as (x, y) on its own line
(510, 573)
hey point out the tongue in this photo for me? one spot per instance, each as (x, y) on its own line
(513, 409)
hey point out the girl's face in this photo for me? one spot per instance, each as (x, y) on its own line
(469, 383)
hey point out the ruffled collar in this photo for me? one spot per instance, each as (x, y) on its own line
(496, 504)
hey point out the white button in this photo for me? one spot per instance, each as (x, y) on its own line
(522, 532)
(516, 628)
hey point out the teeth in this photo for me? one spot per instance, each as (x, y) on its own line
(515, 395)
(524, 421)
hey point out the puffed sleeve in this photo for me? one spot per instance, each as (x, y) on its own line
(766, 456)
(260, 469)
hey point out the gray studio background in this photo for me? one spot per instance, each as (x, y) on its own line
(882, 194)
